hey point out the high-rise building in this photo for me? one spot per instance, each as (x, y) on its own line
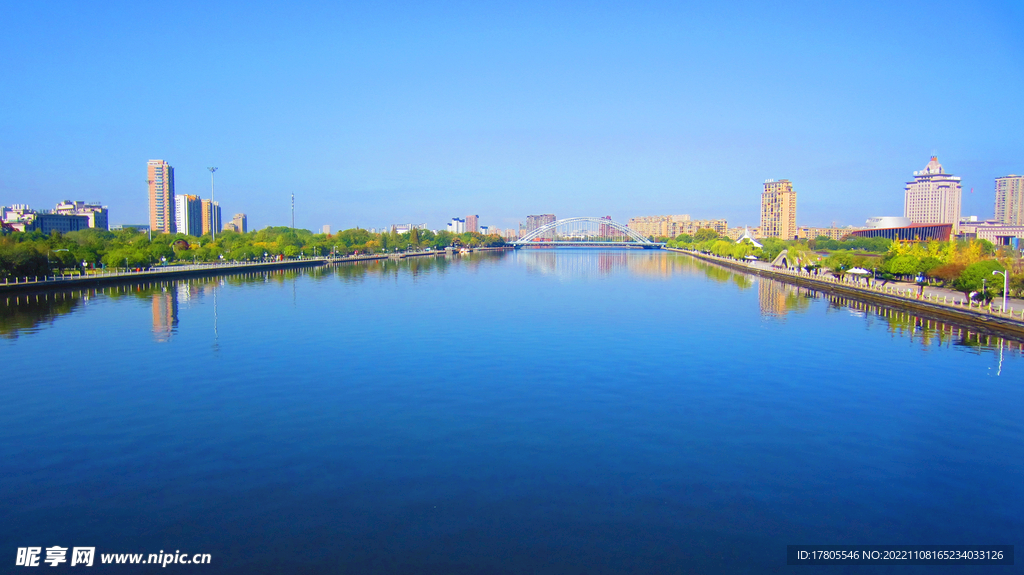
(326, 230)
(933, 197)
(211, 216)
(160, 176)
(472, 223)
(457, 226)
(1010, 200)
(606, 229)
(534, 222)
(188, 214)
(778, 210)
(96, 213)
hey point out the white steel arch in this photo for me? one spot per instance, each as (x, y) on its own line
(529, 239)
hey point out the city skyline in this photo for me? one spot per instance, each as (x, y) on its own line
(619, 110)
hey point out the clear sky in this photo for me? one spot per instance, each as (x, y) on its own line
(386, 112)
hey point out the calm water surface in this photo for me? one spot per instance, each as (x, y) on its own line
(538, 411)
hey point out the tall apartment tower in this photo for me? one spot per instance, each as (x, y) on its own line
(1010, 200)
(160, 177)
(933, 197)
(211, 216)
(534, 222)
(188, 214)
(778, 210)
(472, 223)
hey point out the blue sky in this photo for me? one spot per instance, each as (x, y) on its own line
(386, 112)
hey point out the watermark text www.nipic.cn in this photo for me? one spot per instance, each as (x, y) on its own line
(85, 556)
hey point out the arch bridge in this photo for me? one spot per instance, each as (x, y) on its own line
(585, 232)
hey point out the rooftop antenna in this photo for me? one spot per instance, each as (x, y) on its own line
(213, 208)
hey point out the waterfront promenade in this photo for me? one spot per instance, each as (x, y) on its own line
(945, 304)
(163, 273)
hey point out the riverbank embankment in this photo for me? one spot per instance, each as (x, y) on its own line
(175, 272)
(948, 309)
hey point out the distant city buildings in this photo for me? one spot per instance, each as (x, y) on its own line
(1010, 200)
(96, 213)
(933, 197)
(136, 227)
(326, 230)
(472, 223)
(457, 226)
(778, 210)
(672, 226)
(534, 222)
(239, 224)
(160, 177)
(67, 217)
(833, 233)
(405, 228)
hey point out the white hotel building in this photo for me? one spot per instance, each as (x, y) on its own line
(933, 197)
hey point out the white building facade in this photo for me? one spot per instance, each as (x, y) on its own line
(188, 214)
(933, 197)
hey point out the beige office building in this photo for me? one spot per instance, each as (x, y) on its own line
(1010, 200)
(238, 224)
(160, 177)
(778, 210)
(657, 226)
(211, 216)
(933, 197)
(673, 226)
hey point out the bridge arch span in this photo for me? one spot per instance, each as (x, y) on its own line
(575, 231)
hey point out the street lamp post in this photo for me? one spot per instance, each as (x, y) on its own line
(1006, 285)
(213, 207)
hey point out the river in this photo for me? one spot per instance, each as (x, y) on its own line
(535, 411)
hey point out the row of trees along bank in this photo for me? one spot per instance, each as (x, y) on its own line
(37, 254)
(959, 264)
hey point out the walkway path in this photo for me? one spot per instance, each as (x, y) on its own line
(936, 298)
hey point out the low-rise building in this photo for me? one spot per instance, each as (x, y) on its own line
(832, 233)
(96, 213)
(994, 231)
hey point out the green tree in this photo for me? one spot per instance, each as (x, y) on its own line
(839, 262)
(903, 265)
(705, 234)
(970, 280)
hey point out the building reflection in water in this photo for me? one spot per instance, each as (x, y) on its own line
(777, 299)
(165, 313)
(585, 263)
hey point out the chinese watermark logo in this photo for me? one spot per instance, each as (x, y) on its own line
(29, 556)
